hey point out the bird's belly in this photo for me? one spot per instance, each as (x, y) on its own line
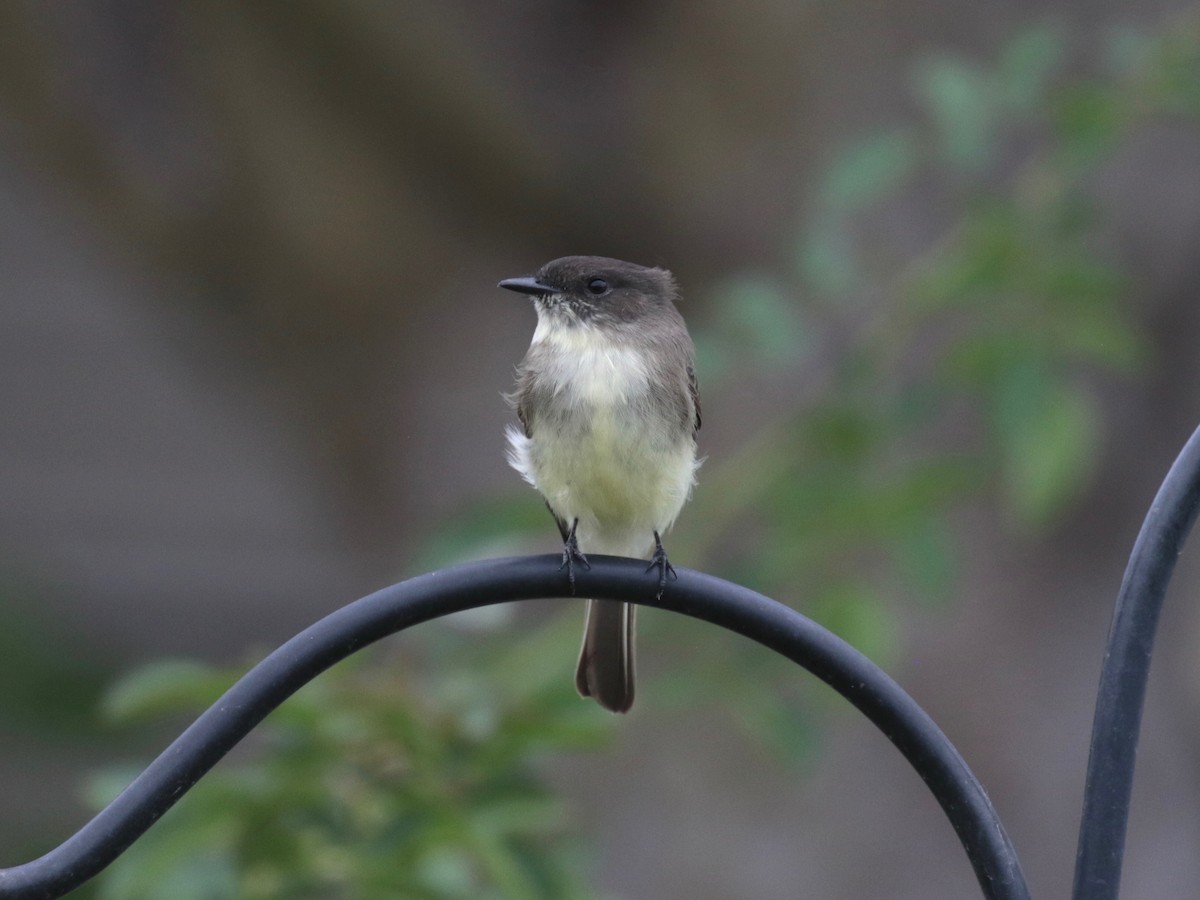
(617, 476)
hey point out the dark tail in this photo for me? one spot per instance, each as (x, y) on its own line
(605, 671)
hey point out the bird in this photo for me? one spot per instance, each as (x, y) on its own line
(609, 410)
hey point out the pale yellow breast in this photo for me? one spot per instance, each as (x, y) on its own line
(616, 475)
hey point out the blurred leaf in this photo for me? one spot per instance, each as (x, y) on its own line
(844, 432)
(714, 355)
(783, 729)
(985, 256)
(1165, 66)
(852, 611)
(960, 101)
(185, 872)
(1026, 66)
(449, 872)
(924, 488)
(52, 677)
(866, 171)
(927, 557)
(1070, 279)
(759, 316)
(525, 682)
(1178, 85)
(494, 527)
(167, 686)
(1048, 435)
(1130, 51)
(1107, 339)
(1089, 119)
(827, 260)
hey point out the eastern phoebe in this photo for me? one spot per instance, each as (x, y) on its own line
(609, 412)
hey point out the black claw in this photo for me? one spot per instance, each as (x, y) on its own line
(659, 560)
(571, 555)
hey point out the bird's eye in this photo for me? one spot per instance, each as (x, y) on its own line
(597, 286)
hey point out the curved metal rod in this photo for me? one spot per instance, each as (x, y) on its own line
(1122, 692)
(463, 587)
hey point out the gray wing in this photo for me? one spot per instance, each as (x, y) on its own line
(521, 396)
(520, 399)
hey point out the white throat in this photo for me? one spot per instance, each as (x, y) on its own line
(590, 365)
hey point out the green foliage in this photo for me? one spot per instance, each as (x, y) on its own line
(961, 107)
(50, 679)
(871, 168)
(963, 373)
(993, 334)
(362, 787)
(1025, 68)
(757, 319)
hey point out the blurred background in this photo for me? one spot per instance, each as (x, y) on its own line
(939, 261)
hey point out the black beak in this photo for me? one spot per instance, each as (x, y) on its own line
(528, 285)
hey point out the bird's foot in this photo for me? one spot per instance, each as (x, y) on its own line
(659, 561)
(571, 555)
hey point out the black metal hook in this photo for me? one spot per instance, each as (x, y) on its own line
(1122, 693)
(400, 606)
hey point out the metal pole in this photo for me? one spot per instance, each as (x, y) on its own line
(1123, 677)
